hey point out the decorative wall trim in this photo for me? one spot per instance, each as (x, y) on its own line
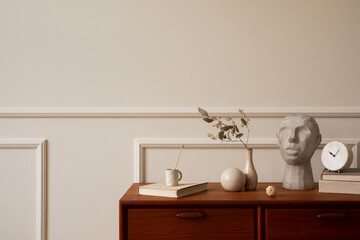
(163, 143)
(41, 177)
(172, 112)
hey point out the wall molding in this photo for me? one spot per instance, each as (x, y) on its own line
(172, 112)
(192, 143)
(40, 146)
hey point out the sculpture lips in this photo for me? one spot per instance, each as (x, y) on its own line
(292, 151)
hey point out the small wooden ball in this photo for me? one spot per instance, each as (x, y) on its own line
(271, 191)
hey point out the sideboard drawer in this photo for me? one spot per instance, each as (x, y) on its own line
(312, 224)
(200, 223)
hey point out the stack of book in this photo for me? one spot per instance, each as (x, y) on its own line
(346, 181)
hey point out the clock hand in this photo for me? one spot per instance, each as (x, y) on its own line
(332, 154)
(337, 152)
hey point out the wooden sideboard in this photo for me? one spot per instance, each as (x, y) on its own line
(216, 214)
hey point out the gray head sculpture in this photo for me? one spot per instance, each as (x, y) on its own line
(299, 136)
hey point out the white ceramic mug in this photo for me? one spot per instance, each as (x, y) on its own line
(173, 176)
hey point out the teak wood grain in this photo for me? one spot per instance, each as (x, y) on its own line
(164, 224)
(302, 223)
(240, 215)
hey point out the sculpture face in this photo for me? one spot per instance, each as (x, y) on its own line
(299, 137)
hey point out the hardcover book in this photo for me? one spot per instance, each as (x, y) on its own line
(331, 186)
(349, 174)
(162, 190)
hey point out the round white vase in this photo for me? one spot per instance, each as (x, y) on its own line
(233, 179)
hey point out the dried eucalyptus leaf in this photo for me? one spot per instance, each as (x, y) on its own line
(203, 112)
(239, 135)
(221, 135)
(226, 128)
(209, 120)
(244, 121)
(236, 128)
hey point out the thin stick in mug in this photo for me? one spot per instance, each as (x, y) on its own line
(182, 146)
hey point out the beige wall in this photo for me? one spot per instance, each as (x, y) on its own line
(156, 61)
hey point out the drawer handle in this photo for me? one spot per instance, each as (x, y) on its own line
(331, 216)
(190, 214)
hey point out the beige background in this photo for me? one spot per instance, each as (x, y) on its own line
(170, 57)
(18, 194)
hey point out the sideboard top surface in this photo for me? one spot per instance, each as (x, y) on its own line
(215, 195)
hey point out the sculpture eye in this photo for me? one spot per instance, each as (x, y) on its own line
(303, 133)
(284, 133)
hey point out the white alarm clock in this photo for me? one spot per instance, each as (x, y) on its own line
(336, 156)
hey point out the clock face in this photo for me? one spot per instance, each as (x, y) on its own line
(336, 156)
